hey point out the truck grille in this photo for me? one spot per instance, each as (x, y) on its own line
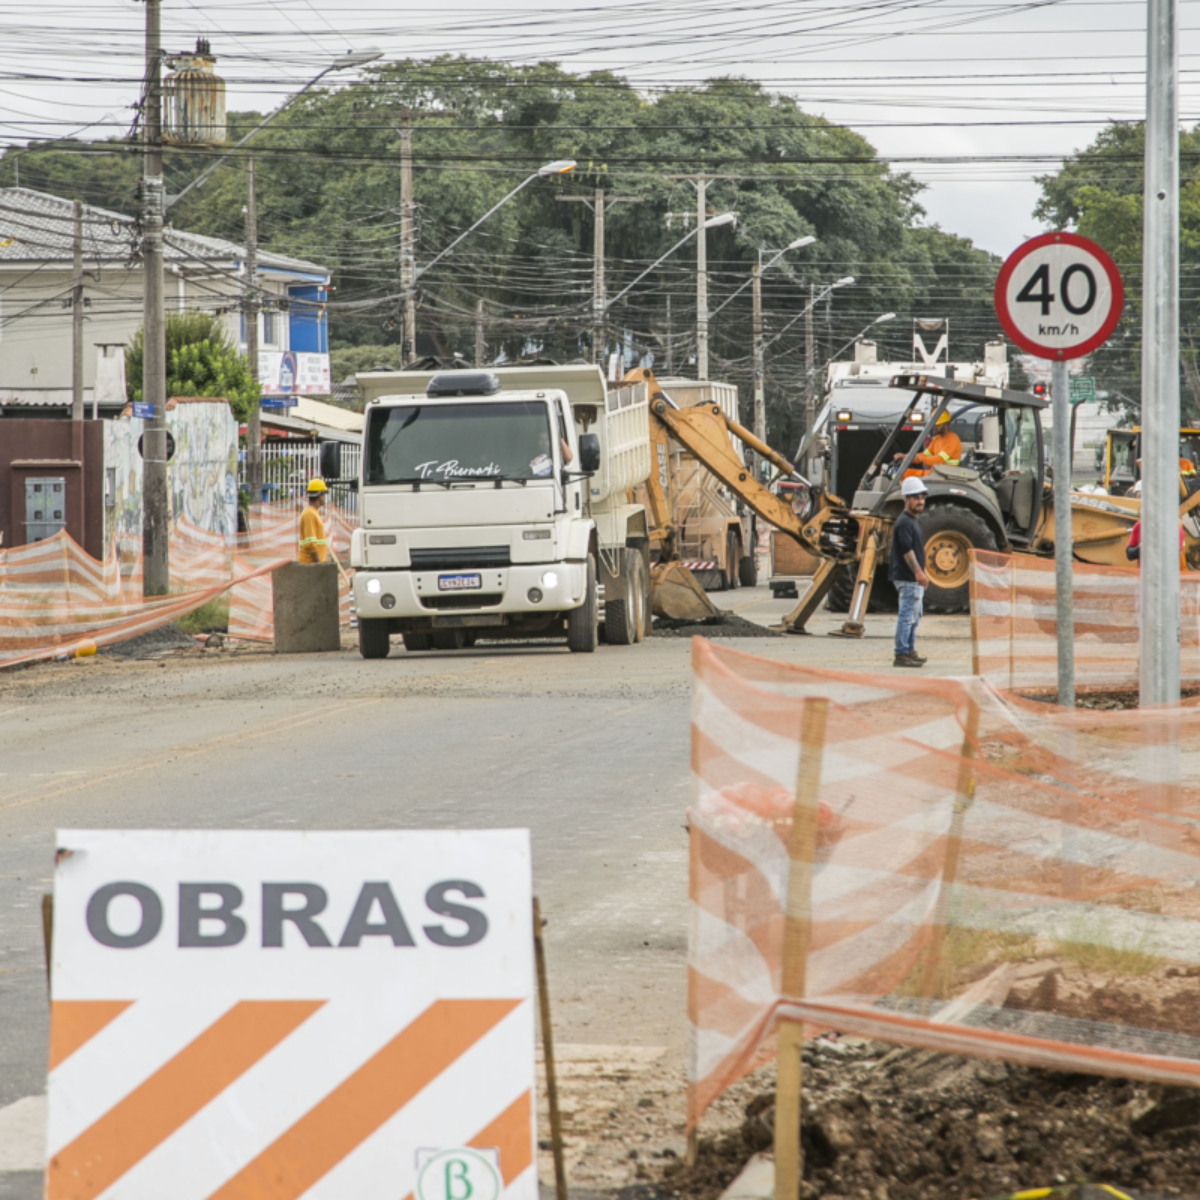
(464, 600)
(459, 557)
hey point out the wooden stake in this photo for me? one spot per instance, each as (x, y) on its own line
(48, 932)
(964, 797)
(797, 934)
(556, 1136)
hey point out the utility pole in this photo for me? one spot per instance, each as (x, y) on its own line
(480, 346)
(250, 316)
(77, 317)
(1158, 670)
(156, 568)
(408, 246)
(670, 342)
(701, 279)
(760, 402)
(599, 292)
(810, 379)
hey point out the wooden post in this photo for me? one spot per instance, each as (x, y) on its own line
(797, 933)
(48, 932)
(539, 950)
(964, 797)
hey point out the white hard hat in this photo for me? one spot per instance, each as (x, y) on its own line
(913, 486)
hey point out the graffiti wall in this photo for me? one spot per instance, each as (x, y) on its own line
(201, 476)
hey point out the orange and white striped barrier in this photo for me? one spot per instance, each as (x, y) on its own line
(1014, 631)
(931, 835)
(365, 1029)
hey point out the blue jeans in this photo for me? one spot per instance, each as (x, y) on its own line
(912, 601)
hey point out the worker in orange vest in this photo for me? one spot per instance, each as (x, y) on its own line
(944, 447)
(314, 543)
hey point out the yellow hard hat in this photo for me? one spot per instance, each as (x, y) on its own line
(944, 418)
(315, 486)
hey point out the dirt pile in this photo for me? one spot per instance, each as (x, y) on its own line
(154, 642)
(883, 1124)
(724, 625)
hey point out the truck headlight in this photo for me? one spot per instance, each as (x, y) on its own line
(374, 587)
(550, 579)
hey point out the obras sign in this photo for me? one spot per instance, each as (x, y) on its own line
(242, 1015)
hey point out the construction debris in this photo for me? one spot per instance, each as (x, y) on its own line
(723, 625)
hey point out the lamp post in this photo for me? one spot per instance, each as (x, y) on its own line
(760, 399)
(870, 325)
(727, 218)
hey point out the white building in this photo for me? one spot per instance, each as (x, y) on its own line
(202, 273)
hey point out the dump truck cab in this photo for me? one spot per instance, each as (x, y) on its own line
(992, 499)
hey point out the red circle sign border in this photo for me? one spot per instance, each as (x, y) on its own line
(1019, 255)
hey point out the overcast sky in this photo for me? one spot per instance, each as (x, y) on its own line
(1005, 88)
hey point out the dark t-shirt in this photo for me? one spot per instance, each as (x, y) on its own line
(906, 536)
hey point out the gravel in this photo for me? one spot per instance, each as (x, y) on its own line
(156, 641)
(726, 625)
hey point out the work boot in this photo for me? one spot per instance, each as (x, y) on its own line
(918, 659)
(908, 660)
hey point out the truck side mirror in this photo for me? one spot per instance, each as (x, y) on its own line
(589, 453)
(331, 460)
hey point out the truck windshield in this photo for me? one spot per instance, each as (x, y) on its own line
(871, 402)
(508, 439)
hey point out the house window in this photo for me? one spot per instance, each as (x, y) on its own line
(269, 319)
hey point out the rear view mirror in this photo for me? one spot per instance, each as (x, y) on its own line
(331, 460)
(589, 453)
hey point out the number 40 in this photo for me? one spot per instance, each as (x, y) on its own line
(1040, 280)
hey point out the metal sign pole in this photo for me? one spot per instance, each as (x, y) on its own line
(1064, 596)
(1158, 674)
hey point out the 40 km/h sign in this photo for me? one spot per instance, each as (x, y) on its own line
(1059, 296)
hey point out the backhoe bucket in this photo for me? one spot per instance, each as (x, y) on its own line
(675, 594)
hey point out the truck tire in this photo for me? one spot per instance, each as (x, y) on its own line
(418, 641)
(583, 625)
(883, 593)
(450, 639)
(621, 608)
(748, 571)
(645, 616)
(732, 561)
(951, 532)
(373, 639)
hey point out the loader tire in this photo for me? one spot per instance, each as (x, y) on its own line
(748, 572)
(729, 576)
(883, 591)
(641, 577)
(621, 605)
(418, 641)
(951, 532)
(373, 639)
(583, 624)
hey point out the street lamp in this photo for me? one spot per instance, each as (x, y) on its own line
(560, 166)
(712, 223)
(763, 266)
(352, 58)
(845, 281)
(870, 325)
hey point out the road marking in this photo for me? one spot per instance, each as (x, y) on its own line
(179, 752)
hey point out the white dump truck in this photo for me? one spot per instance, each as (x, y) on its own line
(496, 504)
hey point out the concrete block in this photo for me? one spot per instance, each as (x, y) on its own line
(306, 608)
(756, 1181)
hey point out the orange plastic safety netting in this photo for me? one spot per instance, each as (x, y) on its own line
(983, 875)
(55, 598)
(1014, 632)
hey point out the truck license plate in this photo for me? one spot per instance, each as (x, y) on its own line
(459, 583)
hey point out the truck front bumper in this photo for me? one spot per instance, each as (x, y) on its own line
(522, 591)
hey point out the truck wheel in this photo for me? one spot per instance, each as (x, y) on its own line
(418, 641)
(951, 532)
(449, 639)
(732, 560)
(583, 625)
(645, 617)
(748, 571)
(621, 611)
(373, 639)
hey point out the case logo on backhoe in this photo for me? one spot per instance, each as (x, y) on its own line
(664, 472)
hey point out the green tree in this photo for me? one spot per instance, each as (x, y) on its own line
(201, 361)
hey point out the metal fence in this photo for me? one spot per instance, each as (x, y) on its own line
(287, 466)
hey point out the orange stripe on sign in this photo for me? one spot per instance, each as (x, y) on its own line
(73, 1023)
(357, 1107)
(174, 1094)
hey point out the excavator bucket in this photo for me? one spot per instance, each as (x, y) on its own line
(675, 594)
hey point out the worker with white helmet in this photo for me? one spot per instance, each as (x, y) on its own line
(314, 543)
(907, 565)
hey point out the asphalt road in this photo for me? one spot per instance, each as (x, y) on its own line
(590, 753)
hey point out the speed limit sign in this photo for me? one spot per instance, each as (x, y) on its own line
(1059, 296)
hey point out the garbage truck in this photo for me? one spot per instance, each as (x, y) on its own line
(496, 504)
